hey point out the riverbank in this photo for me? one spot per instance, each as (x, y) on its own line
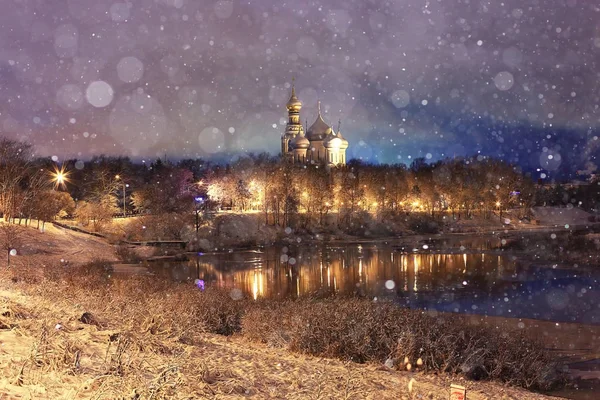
(45, 249)
(69, 335)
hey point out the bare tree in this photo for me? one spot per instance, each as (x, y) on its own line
(10, 238)
(14, 164)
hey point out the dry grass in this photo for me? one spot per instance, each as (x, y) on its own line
(360, 330)
(149, 338)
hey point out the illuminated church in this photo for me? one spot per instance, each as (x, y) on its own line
(320, 145)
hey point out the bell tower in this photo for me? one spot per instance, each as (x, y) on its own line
(293, 127)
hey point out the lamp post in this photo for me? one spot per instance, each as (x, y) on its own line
(124, 193)
(498, 204)
(198, 201)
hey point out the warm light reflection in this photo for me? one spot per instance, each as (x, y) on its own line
(416, 265)
(342, 271)
(360, 270)
(257, 285)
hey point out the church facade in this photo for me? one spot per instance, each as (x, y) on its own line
(319, 145)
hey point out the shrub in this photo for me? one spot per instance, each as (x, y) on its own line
(361, 330)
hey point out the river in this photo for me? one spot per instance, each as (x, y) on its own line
(471, 278)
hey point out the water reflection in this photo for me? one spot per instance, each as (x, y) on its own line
(287, 273)
(462, 282)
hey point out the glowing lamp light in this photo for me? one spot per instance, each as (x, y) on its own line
(60, 177)
(497, 204)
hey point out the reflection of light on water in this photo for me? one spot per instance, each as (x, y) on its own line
(500, 266)
(360, 270)
(416, 265)
(321, 269)
(255, 287)
(258, 288)
(261, 287)
(346, 270)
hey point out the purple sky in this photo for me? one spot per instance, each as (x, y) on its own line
(190, 78)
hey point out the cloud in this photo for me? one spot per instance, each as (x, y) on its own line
(373, 64)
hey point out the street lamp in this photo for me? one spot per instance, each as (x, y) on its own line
(498, 204)
(59, 176)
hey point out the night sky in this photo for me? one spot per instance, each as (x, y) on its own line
(515, 79)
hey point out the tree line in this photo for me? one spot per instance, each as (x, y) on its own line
(95, 191)
(459, 188)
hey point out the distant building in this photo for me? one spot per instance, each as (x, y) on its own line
(320, 145)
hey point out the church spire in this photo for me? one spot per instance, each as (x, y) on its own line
(293, 86)
(293, 104)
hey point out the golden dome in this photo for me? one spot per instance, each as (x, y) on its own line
(344, 142)
(300, 142)
(332, 141)
(293, 103)
(319, 129)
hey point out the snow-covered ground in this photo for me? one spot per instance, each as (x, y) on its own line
(560, 215)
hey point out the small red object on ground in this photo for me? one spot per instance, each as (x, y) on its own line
(458, 392)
